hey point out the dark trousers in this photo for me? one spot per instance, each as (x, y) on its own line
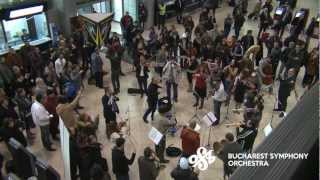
(226, 31)
(197, 100)
(216, 109)
(237, 30)
(160, 148)
(54, 126)
(162, 21)
(179, 16)
(74, 170)
(45, 136)
(158, 69)
(274, 70)
(142, 81)
(189, 77)
(262, 29)
(152, 107)
(115, 81)
(99, 79)
(122, 177)
(283, 98)
(175, 90)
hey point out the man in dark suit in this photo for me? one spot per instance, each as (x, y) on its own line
(247, 40)
(179, 9)
(120, 163)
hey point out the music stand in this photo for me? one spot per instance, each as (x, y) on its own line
(195, 115)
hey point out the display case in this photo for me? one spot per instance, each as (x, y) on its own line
(23, 23)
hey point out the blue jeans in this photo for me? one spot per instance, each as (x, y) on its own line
(175, 90)
(122, 177)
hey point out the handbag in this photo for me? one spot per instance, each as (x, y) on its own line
(173, 151)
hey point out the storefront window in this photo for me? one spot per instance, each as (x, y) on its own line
(131, 7)
(117, 9)
(99, 7)
(26, 29)
(3, 45)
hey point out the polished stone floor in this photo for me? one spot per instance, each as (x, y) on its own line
(91, 100)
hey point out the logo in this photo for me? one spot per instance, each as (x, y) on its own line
(202, 159)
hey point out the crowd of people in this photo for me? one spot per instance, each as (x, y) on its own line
(39, 87)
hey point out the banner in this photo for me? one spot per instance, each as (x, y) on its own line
(64, 140)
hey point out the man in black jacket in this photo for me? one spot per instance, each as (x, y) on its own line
(152, 100)
(148, 169)
(120, 163)
(179, 9)
(247, 136)
(229, 147)
(247, 40)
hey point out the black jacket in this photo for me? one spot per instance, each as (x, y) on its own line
(13, 132)
(120, 163)
(145, 70)
(110, 110)
(247, 41)
(179, 5)
(181, 174)
(153, 93)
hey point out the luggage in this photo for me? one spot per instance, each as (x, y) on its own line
(134, 91)
(173, 151)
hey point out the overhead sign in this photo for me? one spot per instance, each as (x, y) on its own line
(26, 11)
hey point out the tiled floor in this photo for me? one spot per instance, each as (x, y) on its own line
(92, 103)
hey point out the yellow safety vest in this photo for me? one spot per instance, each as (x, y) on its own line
(162, 10)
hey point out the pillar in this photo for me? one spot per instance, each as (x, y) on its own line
(60, 13)
(149, 4)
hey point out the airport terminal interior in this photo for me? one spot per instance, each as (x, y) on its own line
(132, 89)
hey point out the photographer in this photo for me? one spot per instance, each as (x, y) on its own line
(171, 76)
(110, 111)
(148, 165)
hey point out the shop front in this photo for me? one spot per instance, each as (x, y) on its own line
(118, 7)
(23, 23)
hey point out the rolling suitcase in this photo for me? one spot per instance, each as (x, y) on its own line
(134, 91)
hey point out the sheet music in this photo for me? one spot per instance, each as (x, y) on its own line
(155, 136)
(209, 119)
(267, 130)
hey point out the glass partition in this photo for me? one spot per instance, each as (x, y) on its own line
(3, 45)
(99, 7)
(33, 28)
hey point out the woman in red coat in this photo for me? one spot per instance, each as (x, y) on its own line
(200, 85)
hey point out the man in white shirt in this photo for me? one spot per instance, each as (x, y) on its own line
(219, 96)
(60, 64)
(41, 118)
